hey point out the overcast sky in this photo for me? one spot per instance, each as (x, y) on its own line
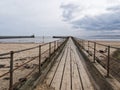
(59, 17)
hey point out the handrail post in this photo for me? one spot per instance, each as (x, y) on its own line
(57, 44)
(11, 71)
(54, 45)
(39, 59)
(79, 42)
(108, 61)
(82, 44)
(94, 52)
(49, 49)
(88, 47)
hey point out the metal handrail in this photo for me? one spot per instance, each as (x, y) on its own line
(95, 51)
(11, 57)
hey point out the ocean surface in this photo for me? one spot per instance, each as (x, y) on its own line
(49, 39)
(104, 38)
(28, 40)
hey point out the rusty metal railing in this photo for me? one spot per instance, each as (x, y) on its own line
(102, 54)
(38, 56)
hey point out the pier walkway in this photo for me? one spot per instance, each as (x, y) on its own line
(73, 70)
(69, 72)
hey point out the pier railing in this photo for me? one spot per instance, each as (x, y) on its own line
(106, 55)
(18, 66)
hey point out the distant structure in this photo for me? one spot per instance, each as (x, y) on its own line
(11, 37)
(61, 36)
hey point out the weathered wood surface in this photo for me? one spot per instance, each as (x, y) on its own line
(73, 70)
(69, 72)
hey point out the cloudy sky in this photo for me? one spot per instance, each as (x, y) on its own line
(59, 17)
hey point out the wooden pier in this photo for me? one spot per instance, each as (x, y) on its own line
(69, 73)
(72, 71)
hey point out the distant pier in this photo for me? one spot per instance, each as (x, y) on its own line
(60, 36)
(12, 37)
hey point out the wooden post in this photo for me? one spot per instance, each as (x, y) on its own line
(88, 47)
(49, 49)
(82, 44)
(11, 71)
(54, 45)
(94, 52)
(39, 59)
(57, 44)
(108, 62)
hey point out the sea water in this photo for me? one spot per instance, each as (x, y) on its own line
(28, 40)
(45, 39)
(101, 38)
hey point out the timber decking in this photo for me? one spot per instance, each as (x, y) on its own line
(69, 72)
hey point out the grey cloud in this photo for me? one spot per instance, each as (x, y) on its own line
(114, 8)
(68, 11)
(108, 21)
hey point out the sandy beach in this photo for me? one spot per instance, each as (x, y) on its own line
(19, 59)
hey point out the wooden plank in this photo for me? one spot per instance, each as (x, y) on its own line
(76, 79)
(85, 78)
(76, 82)
(66, 78)
(52, 72)
(58, 76)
